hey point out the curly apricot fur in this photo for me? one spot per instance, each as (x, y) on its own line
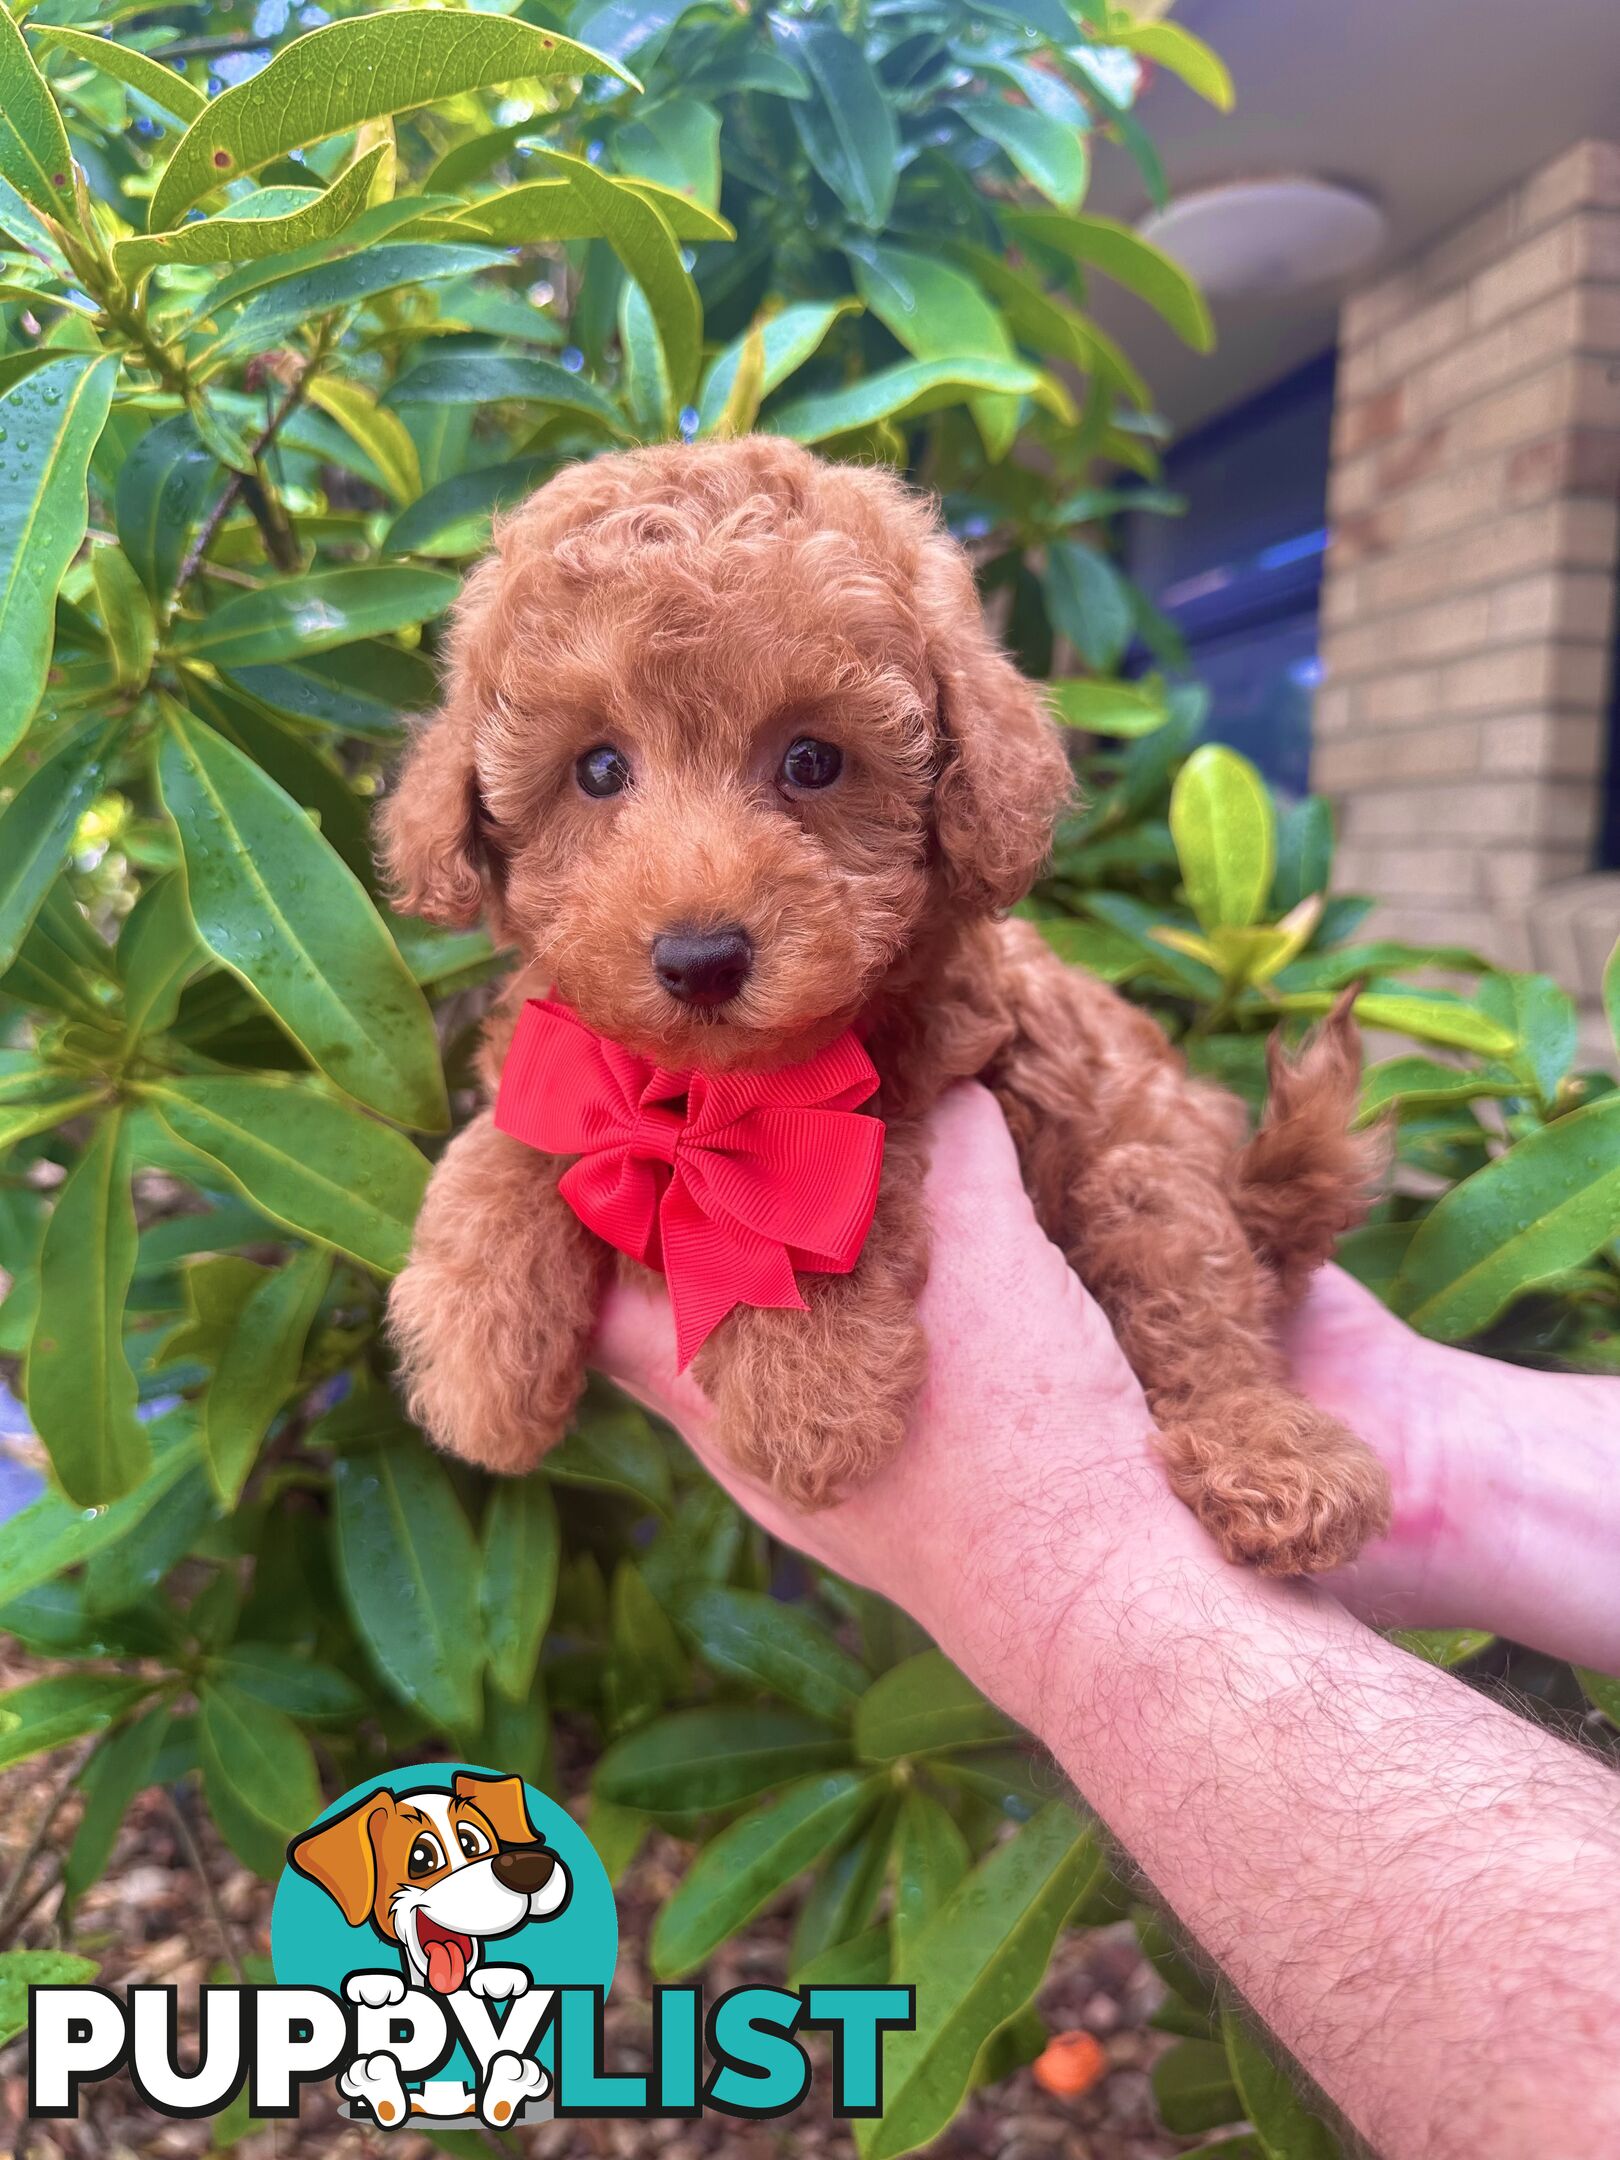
(697, 608)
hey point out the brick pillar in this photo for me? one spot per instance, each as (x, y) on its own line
(1468, 613)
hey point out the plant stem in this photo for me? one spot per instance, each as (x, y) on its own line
(278, 538)
(10, 1896)
(199, 1867)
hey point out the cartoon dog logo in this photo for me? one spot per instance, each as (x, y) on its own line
(439, 1874)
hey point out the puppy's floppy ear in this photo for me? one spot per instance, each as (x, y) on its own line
(341, 1857)
(501, 1799)
(1003, 777)
(434, 836)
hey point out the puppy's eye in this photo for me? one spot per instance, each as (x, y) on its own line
(426, 1856)
(602, 771)
(472, 1841)
(812, 764)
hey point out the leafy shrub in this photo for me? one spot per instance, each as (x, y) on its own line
(299, 340)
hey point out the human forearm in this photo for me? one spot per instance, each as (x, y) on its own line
(1507, 1510)
(1406, 1882)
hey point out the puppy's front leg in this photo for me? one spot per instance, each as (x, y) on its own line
(492, 1315)
(813, 1402)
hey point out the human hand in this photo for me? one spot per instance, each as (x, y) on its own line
(1029, 1468)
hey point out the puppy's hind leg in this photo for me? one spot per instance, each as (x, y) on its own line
(1273, 1479)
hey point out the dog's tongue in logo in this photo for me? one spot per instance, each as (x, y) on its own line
(446, 1952)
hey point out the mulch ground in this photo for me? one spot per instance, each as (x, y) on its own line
(152, 1919)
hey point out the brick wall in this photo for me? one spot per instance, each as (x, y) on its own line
(1468, 614)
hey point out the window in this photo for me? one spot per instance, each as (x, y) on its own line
(1240, 574)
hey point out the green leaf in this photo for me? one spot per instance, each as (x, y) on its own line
(38, 824)
(1611, 993)
(384, 438)
(1171, 47)
(136, 70)
(844, 1894)
(126, 616)
(157, 953)
(118, 1770)
(922, 1707)
(539, 210)
(349, 72)
(1445, 1647)
(488, 378)
(788, 338)
(1114, 249)
(308, 1162)
(930, 1858)
(34, 153)
(242, 233)
(127, 1574)
(1089, 602)
(81, 1392)
(41, 1103)
(356, 689)
(1286, 2129)
(1122, 709)
(937, 313)
(641, 238)
(21, 1970)
(983, 1955)
(49, 424)
(1414, 1080)
(409, 1571)
(287, 1679)
(272, 901)
(1543, 1021)
(1546, 1205)
(453, 517)
(1050, 154)
(46, 1714)
(1432, 1017)
(301, 615)
(259, 1368)
(53, 1533)
(694, 1761)
(290, 303)
(912, 387)
(1192, 2084)
(162, 491)
(1602, 1692)
(517, 1580)
(1225, 833)
(755, 1638)
(848, 128)
(1304, 853)
(259, 1755)
(614, 1450)
(738, 1873)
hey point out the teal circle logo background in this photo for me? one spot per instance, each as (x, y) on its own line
(312, 1945)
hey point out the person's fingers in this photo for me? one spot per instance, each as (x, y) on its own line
(634, 1345)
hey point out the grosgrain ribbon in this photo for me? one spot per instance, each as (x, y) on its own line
(728, 1182)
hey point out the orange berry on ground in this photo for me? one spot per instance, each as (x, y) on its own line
(1070, 2064)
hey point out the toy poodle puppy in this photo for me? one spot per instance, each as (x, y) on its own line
(729, 756)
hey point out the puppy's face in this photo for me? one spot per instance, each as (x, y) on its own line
(701, 735)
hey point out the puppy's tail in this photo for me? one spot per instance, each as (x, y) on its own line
(1305, 1178)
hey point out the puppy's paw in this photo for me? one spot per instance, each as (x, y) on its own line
(498, 1982)
(1277, 1483)
(375, 1990)
(375, 2079)
(512, 2079)
(482, 1382)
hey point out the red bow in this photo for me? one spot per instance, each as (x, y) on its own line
(759, 1173)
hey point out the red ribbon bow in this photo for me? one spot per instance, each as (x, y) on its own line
(758, 1174)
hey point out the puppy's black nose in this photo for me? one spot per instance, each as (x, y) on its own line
(706, 967)
(524, 1868)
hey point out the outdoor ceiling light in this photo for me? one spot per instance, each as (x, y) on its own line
(1258, 237)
